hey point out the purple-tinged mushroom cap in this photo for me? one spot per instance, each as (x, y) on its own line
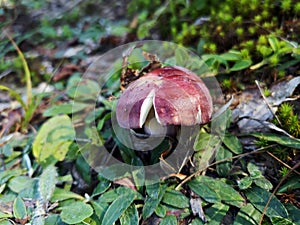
(177, 96)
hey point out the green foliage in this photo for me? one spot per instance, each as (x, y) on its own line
(255, 177)
(53, 140)
(36, 181)
(235, 26)
(288, 119)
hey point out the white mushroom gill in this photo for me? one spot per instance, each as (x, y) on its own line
(146, 107)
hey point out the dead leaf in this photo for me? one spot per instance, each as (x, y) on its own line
(196, 205)
(14, 117)
(252, 110)
(126, 182)
(66, 71)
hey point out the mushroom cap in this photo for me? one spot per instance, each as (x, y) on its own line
(177, 95)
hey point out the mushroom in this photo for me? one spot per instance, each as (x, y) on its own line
(163, 98)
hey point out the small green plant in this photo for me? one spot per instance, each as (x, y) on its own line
(30, 104)
(288, 119)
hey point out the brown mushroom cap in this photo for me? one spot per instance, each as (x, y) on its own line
(177, 95)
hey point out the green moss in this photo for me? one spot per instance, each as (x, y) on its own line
(288, 119)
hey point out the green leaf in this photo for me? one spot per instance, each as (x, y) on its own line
(294, 214)
(197, 221)
(130, 216)
(274, 43)
(221, 121)
(224, 168)
(103, 120)
(181, 56)
(118, 207)
(76, 212)
(108, 196)
(216, 212)
(245, 183)
(82, 89)
(231, 55)
(292, 184)
(17, 184)
(53, 219)
(6, 222)
(204, 191)
(205, 150)
(101, 187)
(254, 171)
(247, 215)
(241, 64)
(8, 174)
(60, 194)
(160, 210)
(14, 94)
(277, 220)
(155, 194)
(279, 139)
(259, 197)
(100, 209)
(204, 140)
(169, 220)
(176, 199)
(5, 215)
(233, 143)
(65, 108)
(214, 190)
(19, 208)
(47, 182)
(263, 183)
(53, 139)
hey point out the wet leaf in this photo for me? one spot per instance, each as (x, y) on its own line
(215, 190)
(76, 212)
(233, 143)
(130, 216)
(216, 213)
(60, 194)
(277, 220)
(155, 194)
(169, 220)
(101, 187)
(263, 183)
(19, 208)
(8, 174)
(118, 207)
(204, 191)
(223, 168)
(254, 171)
(160, 210)
(175, 199)
(259, 197)
(100, 209)
(293, 213)
(17, 184)
(247, 215)
(279, 139)
(292, 184)
(245, 183)
(47, 182)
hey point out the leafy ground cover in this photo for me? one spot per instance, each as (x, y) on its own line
(251, 177)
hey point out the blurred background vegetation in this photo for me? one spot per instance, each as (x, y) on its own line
(255, 33)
